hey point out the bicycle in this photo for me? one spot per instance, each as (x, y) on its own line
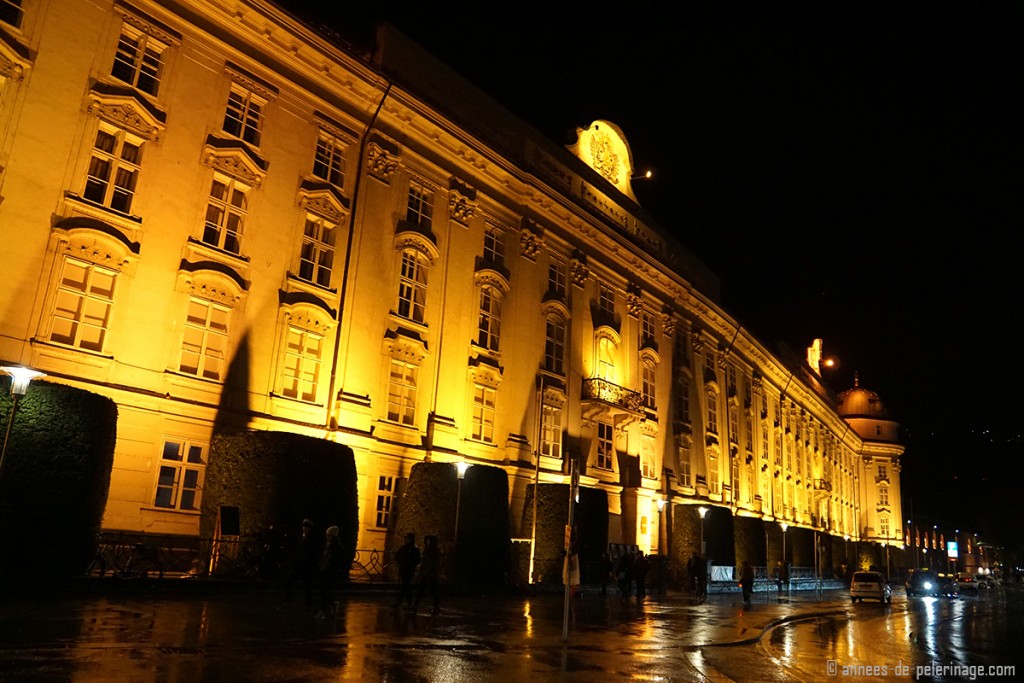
(119, 561)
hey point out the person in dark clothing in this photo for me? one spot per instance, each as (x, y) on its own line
(430, 570)
(607, 571)
(702, 578)
(640, 568)
(747, 581)
(625, 575)
(330, 570)
(693, 571)
(408, 558)
(303, 564)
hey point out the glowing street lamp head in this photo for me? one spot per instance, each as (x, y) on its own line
(460, 468)
(22, 377)
(661, 504)
(784, 527)
(702, 511)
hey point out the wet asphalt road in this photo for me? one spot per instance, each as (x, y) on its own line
(247, 636)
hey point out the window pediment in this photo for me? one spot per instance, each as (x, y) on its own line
(212, 281)
(324, 200)
(308, 302)
(128, 110)
(93, 241)
(609, 333)
(485, 370)
(650, 357)
(554, 396)
(308, 316)
(15, 58)
(147, 24)
(405, 345)
(408, 238)
(555, 307)
(234, 158)
(491, 278)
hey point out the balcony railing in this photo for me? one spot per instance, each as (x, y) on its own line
(603, 390)
(822, 485)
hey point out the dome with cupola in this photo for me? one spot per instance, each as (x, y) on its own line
(860, 402)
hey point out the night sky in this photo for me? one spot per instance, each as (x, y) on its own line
(851, 172)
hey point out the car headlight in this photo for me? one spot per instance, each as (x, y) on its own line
(927, 585)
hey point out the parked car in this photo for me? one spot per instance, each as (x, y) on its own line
(967, 583)
(871, 586)
(922, 582)
(985, 581)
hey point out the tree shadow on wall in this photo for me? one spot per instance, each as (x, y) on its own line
(233, 410)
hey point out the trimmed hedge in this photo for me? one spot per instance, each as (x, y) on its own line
(428, 506)
(277, 479)
(55, 479)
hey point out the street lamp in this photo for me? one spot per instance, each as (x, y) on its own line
(20, 379)
(702, 511)
(460, 470)
(784, 528)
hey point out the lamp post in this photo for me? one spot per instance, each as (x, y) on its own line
(702, 511)
(460, 470)
(662, 546)
(20, 379)
(784, 574)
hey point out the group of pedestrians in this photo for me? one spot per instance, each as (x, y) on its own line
(317, 566)
(630, 572)
(408, 558)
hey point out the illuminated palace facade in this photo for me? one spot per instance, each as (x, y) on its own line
(208, 206)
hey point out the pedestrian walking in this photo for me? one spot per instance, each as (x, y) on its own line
(607, 572)
(641, 566)
(625, 574)
(693, 570)
(747, 581)
(430, 570)
(302, 564)
(330, 570)
(408, 558)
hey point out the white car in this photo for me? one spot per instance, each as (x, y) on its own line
(871, 586)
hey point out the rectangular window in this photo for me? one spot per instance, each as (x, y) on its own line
(483, 413)
(385, 497)
(558, 279)
(329, 161)
(734, 423)
(489, 325)
(243, 117)
(494, 247)
(734, 478)
(606, 300)
(712, 412)
(605, 445)
(412, 287)
(731, 379)
(317, 257)
(402, 393)
(551, 432)
(883, 496)
(683, 349)
(554, 345)
(113, 169)
(646, 330)
(684, 398)
(421, 206)
(11, 12)
(180, 482)
(225, 215)
(713, 473)
(778, 450)
(647, 388)
(748, 433)
(139, 60)
(749, 490)
(882, 473)
(684, 467)
(302, 357)
(82, 306)
(205, 341)
(883, 527)
(647, 456)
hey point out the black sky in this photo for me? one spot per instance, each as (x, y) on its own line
(852, 171)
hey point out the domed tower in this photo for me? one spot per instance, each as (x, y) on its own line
(880, 508)
(864, 411)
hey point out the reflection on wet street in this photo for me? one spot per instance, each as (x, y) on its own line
(246, 636)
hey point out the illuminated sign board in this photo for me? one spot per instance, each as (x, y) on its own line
(951, 550)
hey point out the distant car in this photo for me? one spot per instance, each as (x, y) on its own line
(948, 587)
(870, 586)
(922, 582)
(967, 583)
(985, 581)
